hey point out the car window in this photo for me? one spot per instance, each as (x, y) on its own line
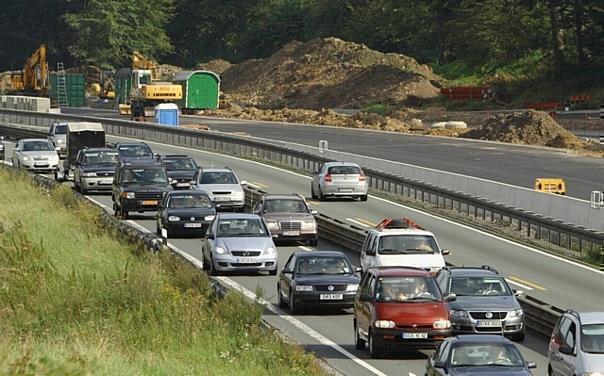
(367, 287)
(189, 201)
(100, 157)
(144, 176)
(441, 280)
(407, 244)
(60, 129)
(285, 206)
(180, 164)
(323, 265)
(592, 338)
(479, 286)
(564, 326)
(135, 151)
(398, 289)
(571, 335)
(218, 177)
(344, 170)
(442, 353)
(479, 355)
(37, 146)
(242, 227)
(289, 263)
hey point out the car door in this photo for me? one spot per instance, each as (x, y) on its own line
(370, 252)
(556, 341)
(568, 361)
(285, 279)
(364, 309)
(78, 163)
(364, 261)
(161, 211)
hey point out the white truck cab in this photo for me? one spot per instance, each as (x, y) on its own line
(402, 242)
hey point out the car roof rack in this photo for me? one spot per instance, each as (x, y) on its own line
(403, 223)
(483, 267)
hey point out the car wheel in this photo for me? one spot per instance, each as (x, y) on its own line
(359, 343)
(374, 351)
(157, 229)
(550, 371)
(205, 263)
(313, 195)
(123, 213)
(272, 272)
(292, 304)
(280, 300)
(364, 198)
(211, 268)
(82, 189)
(116, 212)
(321, 197)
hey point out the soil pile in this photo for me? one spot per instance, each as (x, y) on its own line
(167, 72)
(217, 66)
(527, 127)
(330, 73)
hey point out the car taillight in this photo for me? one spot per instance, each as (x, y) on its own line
(328, 178)
(361, 177)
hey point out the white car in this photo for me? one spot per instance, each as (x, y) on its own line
(402, 243)
(223, 187)
(36, 154)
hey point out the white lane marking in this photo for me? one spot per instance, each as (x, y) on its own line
(304, 248)
(357, 222)
(519, 284)
(546, 254)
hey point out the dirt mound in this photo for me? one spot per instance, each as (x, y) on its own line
(527, 127)
(330, 73)
(217, 66)
(167, 72)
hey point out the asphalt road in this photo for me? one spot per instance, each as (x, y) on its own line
(330, 335)
(511, 164)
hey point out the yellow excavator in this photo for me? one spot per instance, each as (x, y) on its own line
(138, 90)
(33, 79)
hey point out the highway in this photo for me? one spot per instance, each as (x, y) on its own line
(511, 164)
(551, 279)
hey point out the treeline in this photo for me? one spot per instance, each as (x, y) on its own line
(567, 34)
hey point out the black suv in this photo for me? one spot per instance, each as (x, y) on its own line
(134, 152)
(138, 187)
(181, 170)
(485, 302)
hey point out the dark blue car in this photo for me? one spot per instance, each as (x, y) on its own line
(476, 354)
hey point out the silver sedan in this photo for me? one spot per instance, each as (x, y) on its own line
(36, 154)
(339, 179)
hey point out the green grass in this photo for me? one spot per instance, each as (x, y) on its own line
(75, 300)
(382, 109)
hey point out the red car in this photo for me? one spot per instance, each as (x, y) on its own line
(400, 307)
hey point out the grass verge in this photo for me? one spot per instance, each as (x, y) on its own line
(76, 300)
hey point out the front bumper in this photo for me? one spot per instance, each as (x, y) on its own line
(227, 263)
(46, 166)
(313, 299)
(140, 205)
(187, 227)
(393, 338)
(97, 183)
(226, 205)
(468, 325)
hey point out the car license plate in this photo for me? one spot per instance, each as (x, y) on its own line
(192, 225)
(331, 297)
(150, 202)
(246, 261)
(290, 233)
(415, 335)
(488, 324)
(221, 198)
(183, 184)
(40, 163)
(344, 189)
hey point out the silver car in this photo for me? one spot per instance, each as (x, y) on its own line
(36, 154)
(576, 346)
(57, 135)
(222, 186)
(238, 242)
(339, 179)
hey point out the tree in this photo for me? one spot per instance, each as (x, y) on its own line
(109, 30)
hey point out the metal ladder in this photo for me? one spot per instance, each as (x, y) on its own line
(61, 86)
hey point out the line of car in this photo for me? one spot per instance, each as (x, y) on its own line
(403, 295)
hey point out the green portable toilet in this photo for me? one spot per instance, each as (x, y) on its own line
(200, 90)
(123, 85)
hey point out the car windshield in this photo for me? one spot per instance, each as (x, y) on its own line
(37, 146)
(144, 176)
(242, 227)
(486, 354)
(400, 289)
(285, 206)
(218, 177)
(100, 157)
(323, 265)
(479, 286)
(135, 151)
(189, 201)
(407, 244)
(61, 129)
(344, 170)
(180, 164)
(592, 338)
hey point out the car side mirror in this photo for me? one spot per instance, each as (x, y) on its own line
(439, 364)
(531, 365)
(58, 148)
(287, 271)
(450, 298)
(244, 182)
(518, 293)
(156, 155)
(314, 212)
(445, 252)
(358, 269)
(565, 349)
(16, 149)
(370, 252)
(365, 297)
(210, 236)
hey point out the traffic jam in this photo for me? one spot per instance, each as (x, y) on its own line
(401, 295)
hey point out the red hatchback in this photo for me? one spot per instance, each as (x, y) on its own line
(400, 307)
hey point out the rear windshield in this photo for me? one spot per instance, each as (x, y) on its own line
(37, 146)
(189, 201)
(180, 164)
(592, 338)
(218, 177)
(398, 289)
(285, 206)
(244, 227)
(407, 244)
(100, 157)
(344, 170)
(61, 129)
(479, 286)
(135, 151)
(145, 176)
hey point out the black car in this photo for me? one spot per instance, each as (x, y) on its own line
(185, 212)
(321, 278)
(181, 170)
(135, 152)
(94, 169)
(476, 354)
(138, 187)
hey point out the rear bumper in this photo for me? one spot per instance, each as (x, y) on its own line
(344, 190)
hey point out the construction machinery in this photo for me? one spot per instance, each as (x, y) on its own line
(138, 89)
(100, 83)
(33, 79)
(551, 185)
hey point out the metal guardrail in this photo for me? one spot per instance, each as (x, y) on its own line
(586, 242)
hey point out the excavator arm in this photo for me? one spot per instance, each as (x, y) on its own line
(34, 77)
(141, 62)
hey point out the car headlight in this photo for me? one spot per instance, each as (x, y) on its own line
(59, 141)
(304, 288)
(458, 314)
(385, 324)
(89, 174)
(25, 158)
(173, 218)
(238, 195)
(272, 226)
(219, 250)
(309, 225)
(515, 313)
(209, 218)
(129, 195)
(270, 251)
(441, 324)
(353, 287)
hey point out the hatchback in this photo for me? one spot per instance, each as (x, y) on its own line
(339, 179)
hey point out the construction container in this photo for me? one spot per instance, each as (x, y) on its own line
(167, 114)
(75, 86)
(123, 85)
(200, 89)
